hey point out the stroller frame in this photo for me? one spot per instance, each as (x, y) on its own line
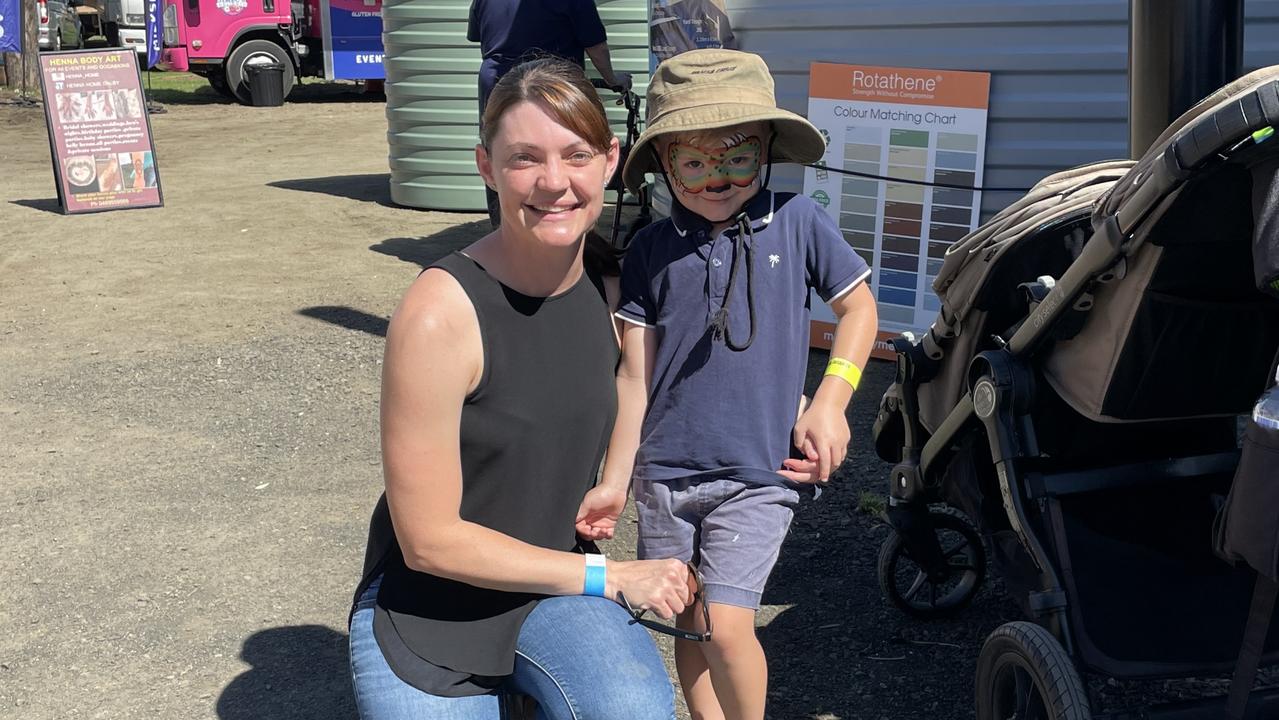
(631, 101)
(1001, 386)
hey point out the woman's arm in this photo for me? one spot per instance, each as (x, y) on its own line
(434, 358)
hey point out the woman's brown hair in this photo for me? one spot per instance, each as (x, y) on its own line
(561, 89)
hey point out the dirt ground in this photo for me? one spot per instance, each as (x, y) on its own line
(188, 404)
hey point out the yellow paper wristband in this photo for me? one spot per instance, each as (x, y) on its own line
(844, 370)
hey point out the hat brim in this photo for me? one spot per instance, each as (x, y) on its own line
(797, 139)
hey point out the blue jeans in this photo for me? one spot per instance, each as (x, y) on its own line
(576, 656)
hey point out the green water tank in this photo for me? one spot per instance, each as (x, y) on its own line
(432, 109)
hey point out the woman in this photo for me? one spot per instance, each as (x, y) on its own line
(498, 399)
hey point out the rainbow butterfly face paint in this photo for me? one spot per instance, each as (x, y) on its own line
(697, 170)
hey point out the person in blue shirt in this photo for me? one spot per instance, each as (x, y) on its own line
(710, 432)
(512, 31)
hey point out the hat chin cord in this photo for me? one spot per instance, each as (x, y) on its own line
(720, 329)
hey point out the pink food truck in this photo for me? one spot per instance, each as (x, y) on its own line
(221, 39)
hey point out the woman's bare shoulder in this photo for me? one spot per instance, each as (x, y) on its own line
(435, 308)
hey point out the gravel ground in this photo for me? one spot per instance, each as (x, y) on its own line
(188, 405)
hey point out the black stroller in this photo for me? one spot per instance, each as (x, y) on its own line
(631, 102)
(1078, 399)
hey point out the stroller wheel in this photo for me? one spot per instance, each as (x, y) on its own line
(945, 591)
(1023, 672)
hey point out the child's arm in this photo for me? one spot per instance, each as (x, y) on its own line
(822, 431)
(601, 507)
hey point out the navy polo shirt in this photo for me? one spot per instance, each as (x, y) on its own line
(510, 31)
(712, 411)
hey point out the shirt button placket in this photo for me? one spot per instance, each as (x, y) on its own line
(721, 263)
(712, 279)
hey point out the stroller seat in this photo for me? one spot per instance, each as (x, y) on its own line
(1183, 332)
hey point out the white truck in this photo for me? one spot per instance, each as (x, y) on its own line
(131, 27)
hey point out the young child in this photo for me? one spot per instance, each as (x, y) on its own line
(715, 301)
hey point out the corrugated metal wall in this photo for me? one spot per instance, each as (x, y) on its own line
(1059, 89)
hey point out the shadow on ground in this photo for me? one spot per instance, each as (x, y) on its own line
(296, 672)
(308, 93)
(347, 317)
(46, 204)
(199, 96)
(374, 187)
(424, 251)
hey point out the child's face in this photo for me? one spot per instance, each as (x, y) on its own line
(714, 173)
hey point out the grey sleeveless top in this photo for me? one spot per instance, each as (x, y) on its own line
(532, 436)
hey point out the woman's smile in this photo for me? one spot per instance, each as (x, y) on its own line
(556, 211)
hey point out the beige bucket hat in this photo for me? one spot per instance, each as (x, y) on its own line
(707, 89)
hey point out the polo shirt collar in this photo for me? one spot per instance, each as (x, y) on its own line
(759, 209)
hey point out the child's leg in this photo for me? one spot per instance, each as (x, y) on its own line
(739, 542)
(736, 663)
(668, 514)
(694, 672)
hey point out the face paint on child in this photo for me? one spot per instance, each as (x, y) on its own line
(697, 170)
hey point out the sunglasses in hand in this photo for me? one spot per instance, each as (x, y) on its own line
(637, 615)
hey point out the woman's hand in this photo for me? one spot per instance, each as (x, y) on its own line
(800, 471)
(601, 507)
(659, 586)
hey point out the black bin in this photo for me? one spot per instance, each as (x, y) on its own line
(266, 84)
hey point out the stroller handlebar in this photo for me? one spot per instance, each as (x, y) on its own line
(625, 97)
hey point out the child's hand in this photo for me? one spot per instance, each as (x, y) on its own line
(601, 507)
(800, 470)
(822, 435)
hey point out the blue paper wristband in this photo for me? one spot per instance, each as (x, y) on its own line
(595, 576)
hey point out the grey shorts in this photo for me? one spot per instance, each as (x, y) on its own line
(731, 530)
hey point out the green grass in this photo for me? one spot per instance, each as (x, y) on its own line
(869, 503)
(174, 81)
(179, 88)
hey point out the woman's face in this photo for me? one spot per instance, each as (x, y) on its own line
(549, 181)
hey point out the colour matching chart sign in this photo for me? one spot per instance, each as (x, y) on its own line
(917, 139)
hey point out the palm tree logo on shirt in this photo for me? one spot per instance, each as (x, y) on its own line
(773, 260)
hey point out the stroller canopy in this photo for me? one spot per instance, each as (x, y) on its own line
(1179, 328)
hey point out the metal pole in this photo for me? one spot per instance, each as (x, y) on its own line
(1179, 51)
(153, 107)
